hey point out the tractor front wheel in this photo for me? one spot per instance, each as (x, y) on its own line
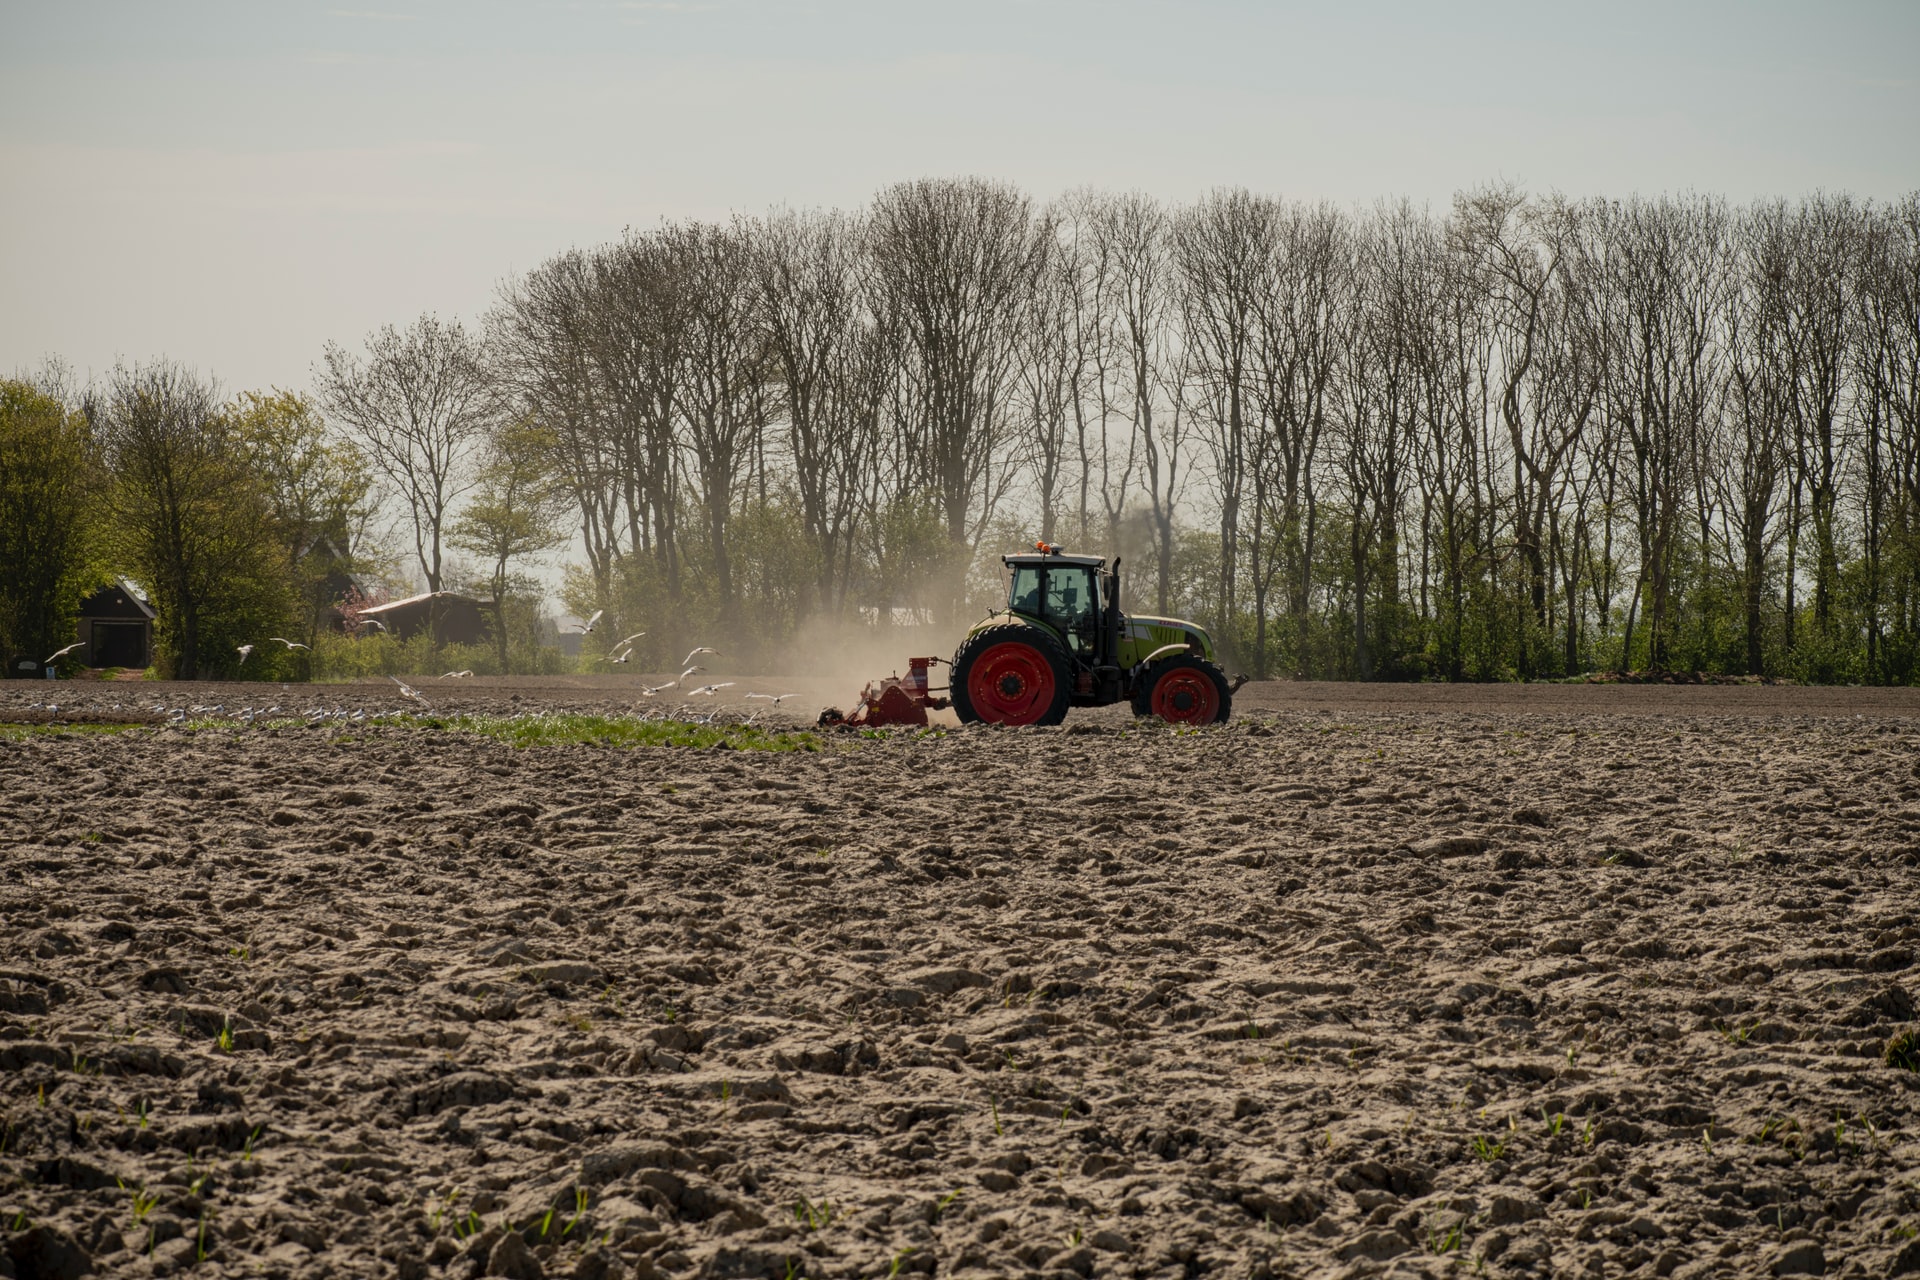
(1184, 689)
(1010, 674)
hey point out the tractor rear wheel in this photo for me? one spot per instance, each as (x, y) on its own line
(1184, 689)
(1010, 674)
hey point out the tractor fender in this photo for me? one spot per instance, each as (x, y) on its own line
(1163, 651)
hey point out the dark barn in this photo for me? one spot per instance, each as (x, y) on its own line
(116, 626)
(456, 619)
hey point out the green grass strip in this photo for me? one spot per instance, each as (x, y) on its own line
(566, 729)
(13, 732)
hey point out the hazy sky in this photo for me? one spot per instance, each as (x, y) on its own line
(232, 185)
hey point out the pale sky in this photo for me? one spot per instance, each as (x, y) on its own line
(234, 184)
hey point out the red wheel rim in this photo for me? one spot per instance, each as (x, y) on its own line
(1186, 696)
(1011, 683)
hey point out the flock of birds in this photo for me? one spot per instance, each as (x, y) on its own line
(620, 653)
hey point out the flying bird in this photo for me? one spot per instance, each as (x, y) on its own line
(689, 671)
(452, 675)
(630, 639)
(652, 689)
(588, 625)
(702, 649)
(243, 651)
(775, 698)
(374, 622)
(291, 644)
(408, 691)
(708, 690)
(64, 652)
(621, 657)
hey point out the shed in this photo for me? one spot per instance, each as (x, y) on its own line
(116, 626)
(456, 619)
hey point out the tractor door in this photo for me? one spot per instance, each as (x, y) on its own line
(1023, 594)
(1072, 605)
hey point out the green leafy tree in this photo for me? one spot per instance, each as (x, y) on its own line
(188, 510)
(514, 515)
(318, 487)
(48, 482)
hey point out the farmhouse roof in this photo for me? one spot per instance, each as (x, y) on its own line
(123, 599)
(422, 598)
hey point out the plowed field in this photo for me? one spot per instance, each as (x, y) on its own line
(1402, 981)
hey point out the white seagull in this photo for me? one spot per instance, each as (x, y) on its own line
(652, 689)
(775, 698)
(452, 675)
(689, 671)
(408, 691)
(64, 652)
(291, 644)
(702, 649)
(708, 690)
(243, 651)
(587, 626)
(630, 639)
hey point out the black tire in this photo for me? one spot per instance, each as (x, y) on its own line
(1183, 667)
(1044, 656)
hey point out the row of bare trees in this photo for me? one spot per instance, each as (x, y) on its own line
(1523, 437)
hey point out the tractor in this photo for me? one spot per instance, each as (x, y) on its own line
(1063, 642)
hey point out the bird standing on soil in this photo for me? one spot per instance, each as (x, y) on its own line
(291, 644)
(64, 652)
(702, 649)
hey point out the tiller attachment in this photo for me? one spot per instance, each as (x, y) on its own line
(891, 701)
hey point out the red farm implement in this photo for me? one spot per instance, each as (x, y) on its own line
(890, 701)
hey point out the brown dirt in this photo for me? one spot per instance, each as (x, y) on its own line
(1568, 980)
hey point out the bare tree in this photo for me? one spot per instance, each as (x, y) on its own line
(1887, 375)
(1053, 371)
(953, 261)
(1755, 445)
(1811, 303)
(828, 354)
(721, 391)
(420, 404)
(543, 333)
(1225, 247)
(1665, 270)
(1306, 331)
(1141, 424)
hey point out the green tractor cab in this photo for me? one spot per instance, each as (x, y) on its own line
(1063, 642)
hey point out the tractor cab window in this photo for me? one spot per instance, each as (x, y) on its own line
(1025, 595)
(1072, 604)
